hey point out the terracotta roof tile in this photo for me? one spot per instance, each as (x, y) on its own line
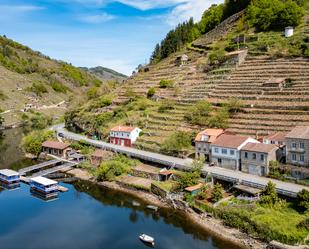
(278, 136)
(55, 145)
(230, 141)
(123, 128)
(212, 133)
(259, 147)
(301, 132)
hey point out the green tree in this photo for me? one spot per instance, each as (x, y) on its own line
(32, 143)
(191, 177)
(303, 199)
(234, 105)
(220, 119)
(269, 195)
(199, 113)
(178, 142)
(275, 14)
(217, 192)
(211, 18)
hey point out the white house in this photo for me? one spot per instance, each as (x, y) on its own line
(124, 135)
(225, 151)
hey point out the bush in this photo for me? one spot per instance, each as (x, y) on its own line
(38, 88)
(190, 178)
(275, 14)
(179, 141)
(217, 192)
(166, 83)
(216, 57)
(32, 143)
(38, 121)
(59, 87)
(199, 113)
(234, 105)
(151, 92)
(166, 105)
(219, 119)
(270, 197)
(93, 92)
(303, 199)
(108, 171)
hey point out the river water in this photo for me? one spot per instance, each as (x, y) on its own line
(87, 216)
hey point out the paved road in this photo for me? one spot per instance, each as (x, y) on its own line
(288, 189)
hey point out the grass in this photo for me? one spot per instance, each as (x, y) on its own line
(167, 185)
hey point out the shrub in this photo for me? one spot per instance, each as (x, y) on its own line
(108, 171)
(217, 192)
(151, 92)
(32, 143)
(166, 83)
(38, 88)
(216, 57)
(234, 105)
(93, 92)
(59, 87)
(219, 119)
(190, 178)
(199, 113)
(166, 105)
(304, 224)
(270, 197)
(303, 199)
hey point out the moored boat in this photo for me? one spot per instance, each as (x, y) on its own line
(44, 186)
(147, 239)
(9, 176)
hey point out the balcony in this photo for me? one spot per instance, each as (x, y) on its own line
(297, 149)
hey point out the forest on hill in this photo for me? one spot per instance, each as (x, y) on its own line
(261, 14)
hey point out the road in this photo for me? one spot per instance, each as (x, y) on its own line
(284, 188)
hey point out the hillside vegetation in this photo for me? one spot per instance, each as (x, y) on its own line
(211, 90)
(105, 74)
(32, 81)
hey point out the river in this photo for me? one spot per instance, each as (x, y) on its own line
(87, 216)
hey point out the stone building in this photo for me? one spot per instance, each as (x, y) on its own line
(297, 146)
(256, 157)
(182, 60)
(55, 148)
(237, 57)
(203, 141)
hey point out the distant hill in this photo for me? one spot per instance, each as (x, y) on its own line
(31, 80)
(104, 73)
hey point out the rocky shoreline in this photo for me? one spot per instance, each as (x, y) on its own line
(207, 223)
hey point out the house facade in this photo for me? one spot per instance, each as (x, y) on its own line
(277, 139)
(203, 141)
(55, 148)
(225, 151)
(297, 146)
(124, 135)
(256, 157)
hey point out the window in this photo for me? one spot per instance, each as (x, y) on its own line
(262, 157)
(302, 158)
(294, 145)
(224, 151)
(219, 160)
(216, 150)
(253, 156)
(294, 157)
(232, 152)
(302, 145)
(246, 154)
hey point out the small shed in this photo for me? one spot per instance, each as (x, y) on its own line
(289, 31)
(165, 175)
(75, 156)
(237, 57)
(194, 190)
(182, 60)
(274, 82)
(55, 148)
(99, 156)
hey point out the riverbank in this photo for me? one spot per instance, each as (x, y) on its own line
(207, 223)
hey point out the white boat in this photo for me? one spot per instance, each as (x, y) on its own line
(147, 239)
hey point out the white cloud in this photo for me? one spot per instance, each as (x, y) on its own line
(17, 9)
(191, 8)
(96, 19)
(150, 4)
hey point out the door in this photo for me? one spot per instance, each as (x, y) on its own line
(253, 170)
(122, 142)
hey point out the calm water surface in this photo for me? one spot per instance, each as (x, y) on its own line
(89, 217)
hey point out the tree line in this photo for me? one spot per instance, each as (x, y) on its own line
(261, 14)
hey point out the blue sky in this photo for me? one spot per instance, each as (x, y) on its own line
(117, 34)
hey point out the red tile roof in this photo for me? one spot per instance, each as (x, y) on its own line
(212, 133)
(275, 81)
(258, 147)
(230, 141)
(55, 145)
(99, 153)
(123, 128)
(166, 172)
(301, 132)
(278, 136)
